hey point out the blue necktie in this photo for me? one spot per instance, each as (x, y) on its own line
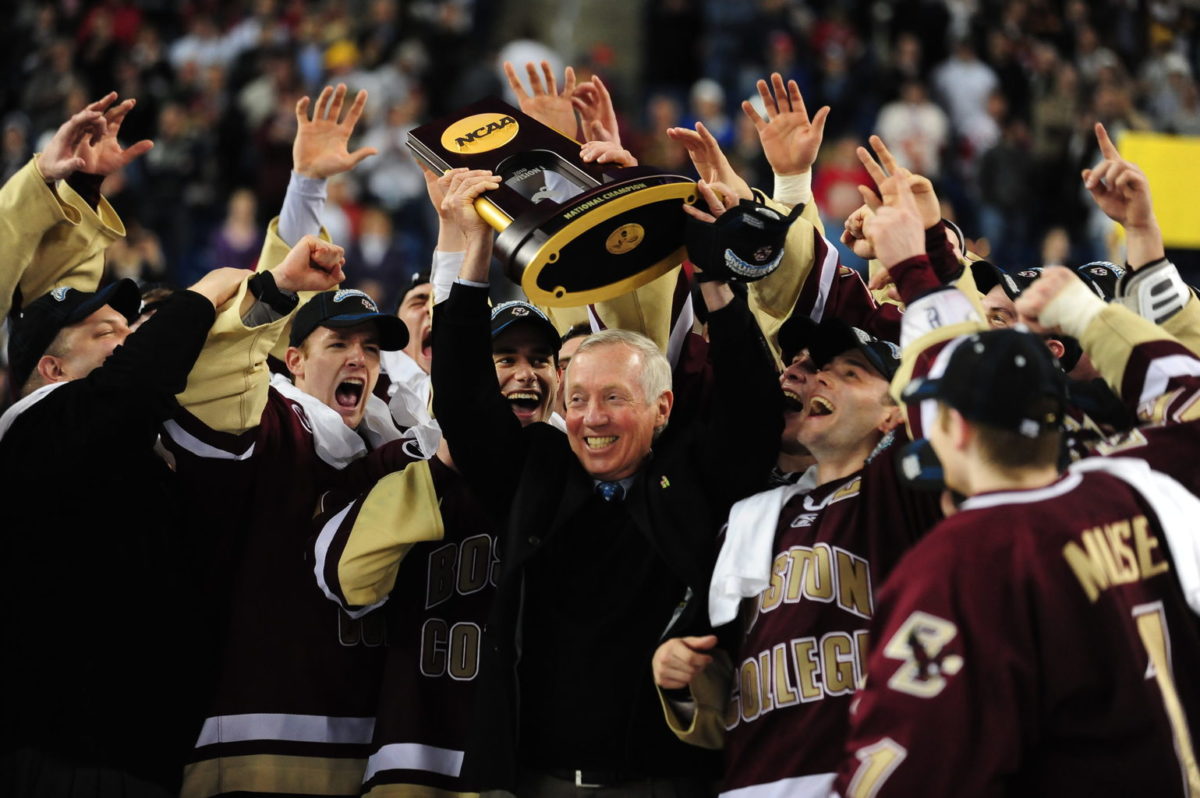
(611, 491)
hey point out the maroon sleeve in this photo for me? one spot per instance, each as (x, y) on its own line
(941, 254)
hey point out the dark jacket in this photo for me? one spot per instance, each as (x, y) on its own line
(93, 592)
(531, 477)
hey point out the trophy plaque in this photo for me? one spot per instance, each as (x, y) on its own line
(570, 233)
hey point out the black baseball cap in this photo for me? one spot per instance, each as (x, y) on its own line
(34, 330)
(997, 378)
(988, 275)
(347, 308)
(832, 337)
(744, 244)
(507, 314)
(1102, 277)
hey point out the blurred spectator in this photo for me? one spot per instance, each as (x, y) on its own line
(392, 176)
(1005, 173)
(1091, 57)
(707, 104)
(662, 112)
(172, 172)
(837, 176)
(376, 263)
(343, 215)
(50, 80)
(965, 83)
(239, 239)
(1185, 121)
(14, 149)
(260, 97)
(138, 257)
(915, 129)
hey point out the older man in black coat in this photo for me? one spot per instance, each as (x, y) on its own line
(609, 529)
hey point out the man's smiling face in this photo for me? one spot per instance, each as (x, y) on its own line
(610, 421)
(526, 372)
(846, 407)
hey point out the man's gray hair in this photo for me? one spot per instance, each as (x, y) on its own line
(655, 375)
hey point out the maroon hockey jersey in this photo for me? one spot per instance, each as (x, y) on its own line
(435, 612)
(805, 639)
(1036, 643)
(296, 678)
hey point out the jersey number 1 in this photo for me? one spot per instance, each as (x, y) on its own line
(1151, 624)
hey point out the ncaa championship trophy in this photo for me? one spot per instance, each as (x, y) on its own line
(570, 233)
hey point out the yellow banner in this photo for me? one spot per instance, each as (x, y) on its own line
(1173, 165)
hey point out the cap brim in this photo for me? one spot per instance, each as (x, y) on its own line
(834, 337)
(543, 326)
(393, 333)
(122, 296)
(988, 275)
(920, 389)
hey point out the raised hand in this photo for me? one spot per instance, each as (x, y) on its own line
(677, 661)
(101, 153)
(458, 202)
(710, 162)
(60, 159)
(598, 118)
(922, 189)
(719, 198)
(852, 235)
(790, 140)
(1119, 187)
(601, 151)
(450, 237)
(895, 230)
(311, 265)
(1122, 191)
(545, 103)
(1041, 292)
(320, 149)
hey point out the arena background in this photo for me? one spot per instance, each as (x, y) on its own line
(1015, 84)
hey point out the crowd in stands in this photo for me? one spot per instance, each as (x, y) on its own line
(985, 98)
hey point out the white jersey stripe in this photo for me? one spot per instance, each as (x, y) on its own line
(414, 756)
(201, 449)
(1162, 370)
(829, 270)
(817, 785)
(321, 549)
(1064, 486)
(679, 332)
(293, 728)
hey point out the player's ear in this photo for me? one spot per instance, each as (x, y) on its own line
(960, 430)
(294, 360)
(50, 369)
(1056, 347)
(893, 417)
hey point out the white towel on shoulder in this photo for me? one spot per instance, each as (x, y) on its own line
(743, 566)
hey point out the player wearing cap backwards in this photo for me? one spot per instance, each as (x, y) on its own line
(95, 575)
(438, 594)
(1031, 643)
(296, 679)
